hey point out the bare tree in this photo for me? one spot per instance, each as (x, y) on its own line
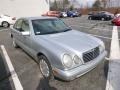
(54, 6)
(65, 3)
(108, 3)
(104, 2)
(97, 4)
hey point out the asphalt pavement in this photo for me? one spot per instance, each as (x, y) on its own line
(28, 71)
(5, 83)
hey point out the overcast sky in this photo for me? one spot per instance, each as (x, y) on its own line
(86, 2)
(83, 2)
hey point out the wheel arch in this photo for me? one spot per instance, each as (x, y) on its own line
(5, 21)
(41, 53)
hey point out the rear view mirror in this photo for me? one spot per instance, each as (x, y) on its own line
(25, 33)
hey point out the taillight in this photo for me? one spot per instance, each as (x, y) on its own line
(13, 18)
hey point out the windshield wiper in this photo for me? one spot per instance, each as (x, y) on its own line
(67, 30)
(48, 33)
(51, 32)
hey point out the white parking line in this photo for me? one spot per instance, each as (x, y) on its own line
(88, 27)
(3, 30)
(14, 76)
(100, 36)
(102, 29)
(97, 29)
(80, 26)
(87, 23)
(115, 49)
(113, 79)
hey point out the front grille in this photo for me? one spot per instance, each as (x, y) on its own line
(90, 55)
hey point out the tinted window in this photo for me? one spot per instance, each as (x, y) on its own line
(49, 26)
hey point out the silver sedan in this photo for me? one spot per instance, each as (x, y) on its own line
(59, 50)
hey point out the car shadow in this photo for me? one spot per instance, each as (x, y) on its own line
(106, 66)
(2, 28)
(4, 76)
(44, 85)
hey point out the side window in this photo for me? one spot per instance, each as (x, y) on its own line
(18, 24)
(102, 14)
(25, 26)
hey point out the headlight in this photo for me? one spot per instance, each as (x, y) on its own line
(102, 47)
(67, 60)
(77, 60)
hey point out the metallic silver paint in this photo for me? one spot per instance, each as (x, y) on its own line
(54, 46)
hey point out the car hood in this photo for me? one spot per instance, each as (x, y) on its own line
(71, 40)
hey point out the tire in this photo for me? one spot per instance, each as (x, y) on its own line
(103, 19)
(5, 24)
(71, 16)
(44, 64)
(14, 43)
(90, 18)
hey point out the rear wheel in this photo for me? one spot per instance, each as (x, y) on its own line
(5, 24)
(90, 18)
(71, 16)
(45, 67)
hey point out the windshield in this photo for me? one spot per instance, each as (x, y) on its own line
(49, 26)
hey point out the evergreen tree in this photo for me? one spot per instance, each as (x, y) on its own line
(97, 4)
(66, 2)
(54, 6)
(71, 7)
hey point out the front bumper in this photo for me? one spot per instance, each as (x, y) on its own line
(78, 71)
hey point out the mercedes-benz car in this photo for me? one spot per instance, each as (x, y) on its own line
(59, 50)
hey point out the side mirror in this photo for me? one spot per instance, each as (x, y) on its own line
(20, 29)
(25, 33)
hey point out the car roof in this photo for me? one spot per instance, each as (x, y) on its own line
(38, 17)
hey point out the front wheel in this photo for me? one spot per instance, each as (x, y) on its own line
(45, 67)
(90, 18)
